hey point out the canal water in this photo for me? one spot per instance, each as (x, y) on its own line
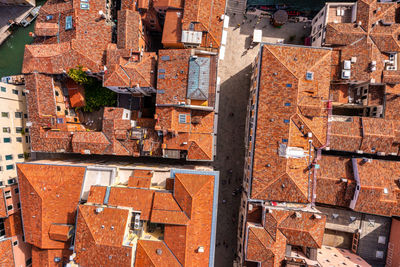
(12, 50)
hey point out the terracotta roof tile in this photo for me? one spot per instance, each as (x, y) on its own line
(45, 257)
(49, 194)
(165, 210)
(282, 88)
(99, 237)
(46, 29)
(379, 192)
(146, 254)
(138, 199)
(6, 252)
(3, 211)
(129, 24)
(60, 232)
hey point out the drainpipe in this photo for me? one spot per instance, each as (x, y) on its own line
(318, 157)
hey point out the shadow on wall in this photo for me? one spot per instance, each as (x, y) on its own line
(234, 94)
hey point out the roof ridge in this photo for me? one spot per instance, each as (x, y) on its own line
(87, 225)
(303, 231)
(282, 64)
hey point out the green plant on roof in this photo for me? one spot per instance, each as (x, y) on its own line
(96, 96)
(78, 75)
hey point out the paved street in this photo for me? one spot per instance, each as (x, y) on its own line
(234, 71)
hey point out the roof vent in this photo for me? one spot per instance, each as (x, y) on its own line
(385, 191)
(297, 214)
(335, 215)
(344, 180)
(110, 257)
(309, 75)
(57, 259)
(98, 210)
(200, 249)
(158, 251)
(352, 218)
(112, 227)
(317, 216)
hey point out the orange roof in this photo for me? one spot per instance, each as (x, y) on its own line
(76, 93)
(207, 13)
(186, 213)
(99, 237)
(379, 192)
(45, 257)
(283, 123)
(6, 252)
(60, 232)
(168, 3)
(46, 29)
(165, 210)
(140, 178)
(138, 199)
(146, 255)
(172, 31)
(49, 194)
(267, 244)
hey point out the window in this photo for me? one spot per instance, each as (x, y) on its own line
(25, 116)
(5, 114)
(286, 121)
(18, 115)
(15, 243)
(18, 129)
(27, 130)
(11, 181)
(28, 262)
(7, 194)
(287, 104)
(57, 93)
(19, 205)
(7, 140)
(3, 89)
(58, 108)
(182, 118)
(19, 139)
(9, 157)
(10, 167)
(10, 207)
(20, 156)
(16, 190)
(15, 92)
(284, 140)
(27, 139)
(6, 130)
(289, 85)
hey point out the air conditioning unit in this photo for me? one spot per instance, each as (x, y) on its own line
(346, 74)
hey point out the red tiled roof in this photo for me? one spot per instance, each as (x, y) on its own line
(207, 13)
(60, 232)
(168, 3)
(99, 237)
(129, 25)
(186, 214)
(282, 89)
(140, 178)
(46, 29)
(76, 93)
(146, 255)
(267, 245)
(49, 194)
(128, 73)
(45, 257)
(6, 252)
(374, 177)
(165, 210)
(172, 31)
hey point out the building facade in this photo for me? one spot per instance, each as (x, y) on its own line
(14, 135)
